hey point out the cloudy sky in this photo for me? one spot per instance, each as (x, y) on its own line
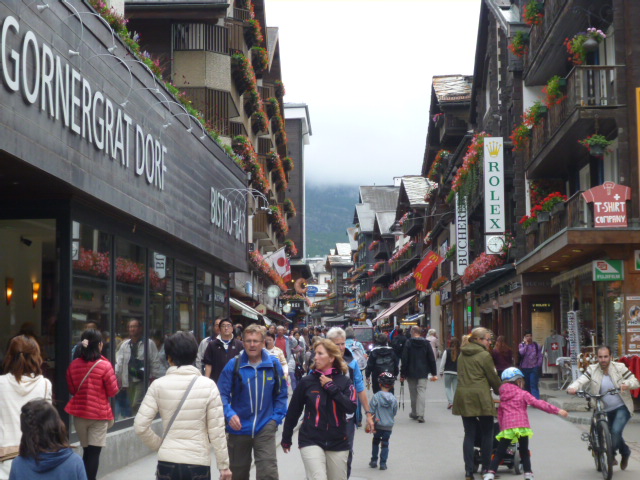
(364, 67)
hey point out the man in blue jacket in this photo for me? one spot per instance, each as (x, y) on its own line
(254, 396)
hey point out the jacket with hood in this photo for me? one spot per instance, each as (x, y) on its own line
(380, 360)
(199, 425)
(253, 396)
(91, 401)
(476, 377)
(384, 406)
(13, 396)
(418, 360)
(512, 412)
(60, 465)
(325, 412)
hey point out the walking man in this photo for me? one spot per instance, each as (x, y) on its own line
(254, 396)
(418, 361)
(205, 342)
(220, 350)
(602, 377)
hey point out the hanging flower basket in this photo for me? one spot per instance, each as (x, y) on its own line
(253, 33)
(287, 163)
(289, 207)
(576, 46)
(276, 123)
(281, 138)
(597, 144)
(520, 136)
(554, 91)
(279, 86)
(251, 101)
(518, 45)
(533, 12)
(242, 73)
(290, 248)
(272, 107)
(436, 166)
(259, 59)
(259, 122)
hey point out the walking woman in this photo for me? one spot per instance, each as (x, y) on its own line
(192, 416)
(23, 381)
(502, 355)
(92, 382)
(449, 369)
(326, 395)
(473, 402)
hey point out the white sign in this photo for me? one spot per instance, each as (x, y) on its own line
(160, 264)
(574, 343)
(48, 82)
(462, 237)
(494, 221)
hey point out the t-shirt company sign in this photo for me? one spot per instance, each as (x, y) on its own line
(48, 82)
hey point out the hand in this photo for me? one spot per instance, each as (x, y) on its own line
(402, 379)
(371, 424)
(286, 449)
(572, 391)
(434, 379)
(235, 422)
(324, 380)
(225, 474)
(624, 387)
(563, 413)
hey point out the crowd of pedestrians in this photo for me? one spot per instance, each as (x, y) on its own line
(231, 392)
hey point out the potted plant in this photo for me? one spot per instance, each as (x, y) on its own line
(582, 43)
(553, 200)
(534, 114)
(518, 45)
(259, 122)
(533, 12)
(287, 163)
(597, 144)
(251, 101)
(279, 86)
(253, 33)
(554, 91)
(520, 136)
(281, 138)
(272, 107)
(436, 166)
(259, 59)
(276, 123)
(242, 73)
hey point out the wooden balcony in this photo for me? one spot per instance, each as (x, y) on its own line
(591, 98)
(200, 37)
(383, 274)
(413, 225)
(381, 251)
(217, 107)
(384, 296)
(451, 128)
(241, 14)
(410, 258)
(547, 55)
(263, 231)
(405, 290)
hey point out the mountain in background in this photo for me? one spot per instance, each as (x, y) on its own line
(329, 210)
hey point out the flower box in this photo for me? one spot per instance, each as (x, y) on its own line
(544, 217)
(533, 228)
(558, 207)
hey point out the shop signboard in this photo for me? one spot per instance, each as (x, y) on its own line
(574, 343)
(462, 239)
(425, 269)
(494, 220)
(312, 290)
(609, 204)
(632, 321)
(607, 270)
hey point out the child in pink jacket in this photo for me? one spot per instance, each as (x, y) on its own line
(514, 420)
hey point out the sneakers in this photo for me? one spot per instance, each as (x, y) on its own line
(413, 416)
(373, 464)
(528, 476)
(468, 476)
(383, 466)
(489, 476)
(420, 419)
(615, 461)
(624, 462)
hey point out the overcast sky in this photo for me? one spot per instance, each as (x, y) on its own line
(364, 67)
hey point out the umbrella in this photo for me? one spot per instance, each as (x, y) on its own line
(402, 394)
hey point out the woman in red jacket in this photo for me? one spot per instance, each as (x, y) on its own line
(91, 381)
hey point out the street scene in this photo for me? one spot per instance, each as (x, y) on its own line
(319, 239)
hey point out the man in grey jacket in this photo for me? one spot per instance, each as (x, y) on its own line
(604, 376)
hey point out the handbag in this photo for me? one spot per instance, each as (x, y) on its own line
(175, 414)
(9, 453)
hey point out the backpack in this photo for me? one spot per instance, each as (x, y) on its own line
(398, 345)
(276, 374)
(384, 363)
(359, 356)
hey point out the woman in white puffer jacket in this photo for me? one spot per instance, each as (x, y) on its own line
(199, 425)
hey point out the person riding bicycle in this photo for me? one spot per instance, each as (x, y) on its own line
(602, 377)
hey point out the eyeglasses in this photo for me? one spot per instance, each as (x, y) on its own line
(226, 325)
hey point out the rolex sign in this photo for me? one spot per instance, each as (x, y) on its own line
(494, 221)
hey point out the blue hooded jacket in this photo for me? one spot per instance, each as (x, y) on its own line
(253, 399)
(60, 465)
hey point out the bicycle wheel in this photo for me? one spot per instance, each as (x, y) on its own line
(605, 451)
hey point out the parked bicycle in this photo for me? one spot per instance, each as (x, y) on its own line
(599, 436)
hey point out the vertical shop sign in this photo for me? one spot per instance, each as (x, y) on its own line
(574, 343)
(632, 323)
(462, 238)
(494, 220)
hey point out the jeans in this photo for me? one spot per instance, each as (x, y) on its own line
(618, 419)
(485, 426)
(450, 386)
(182, 471)
(531, 377)
(380, 441)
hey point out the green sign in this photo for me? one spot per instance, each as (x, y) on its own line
(607, 270)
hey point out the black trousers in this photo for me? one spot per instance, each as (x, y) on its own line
(182, 471)
(472, 426)
(523, 446)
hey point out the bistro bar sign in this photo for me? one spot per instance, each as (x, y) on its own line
(48, 82)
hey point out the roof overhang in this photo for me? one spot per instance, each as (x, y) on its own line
(203, 11)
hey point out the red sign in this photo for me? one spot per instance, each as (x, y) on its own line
(609, 204)
(425, 269)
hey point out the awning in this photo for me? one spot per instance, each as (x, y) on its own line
(571, 274)
(276, 317)
(245, 310)
(393, 308)
(340, 318)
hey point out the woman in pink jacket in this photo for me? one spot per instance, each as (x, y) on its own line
(514, 420)
(92, 382)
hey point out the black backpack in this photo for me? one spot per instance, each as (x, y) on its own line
(384, 363)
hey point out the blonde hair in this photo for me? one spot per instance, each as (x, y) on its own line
(465, 340)
(255, 328)
(478, 334)
(333, 351)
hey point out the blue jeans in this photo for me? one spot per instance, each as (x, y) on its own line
(531, 377)
(380, 442)
(618, 419)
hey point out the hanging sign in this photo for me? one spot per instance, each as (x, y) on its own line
(494, 221)
(574, 343)
(609, 204)
(607, 270)
(425, 269)
(462, 239)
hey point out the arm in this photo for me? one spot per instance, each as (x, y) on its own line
(142, 423)
(431, 363)
(396, 363)
(280, 405)
(370, 363)
(443, 362)
(72, 387)
(110, 381)
(405, 359)
(628, 378)
(215, 427)
(345, 397)
(201, 349)
(490, 373)
(207, 360)
(283, 363)
(522, 347)
(225, 384)
(582, 381)
(542, 405)
(296, 406)
(154, 360)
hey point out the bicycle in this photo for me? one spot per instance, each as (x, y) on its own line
(599, 436)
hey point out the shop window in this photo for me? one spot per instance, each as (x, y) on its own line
(205, 307)
(185, 289)
(160, 303)
(221, 294)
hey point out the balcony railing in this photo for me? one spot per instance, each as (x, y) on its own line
(413, 225)
(404, 290)
(241, 14)
(575, 214)
(552, 9)
(384, 296)
(200, 37)
(381, 251)
(383, 273)
(408, 259)
(588, 86)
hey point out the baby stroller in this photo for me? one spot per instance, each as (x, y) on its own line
(511, 459)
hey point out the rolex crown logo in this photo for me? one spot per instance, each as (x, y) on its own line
(494, 148)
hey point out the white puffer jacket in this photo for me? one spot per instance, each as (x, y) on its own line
(199, 425)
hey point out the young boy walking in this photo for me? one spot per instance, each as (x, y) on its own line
(384, 407)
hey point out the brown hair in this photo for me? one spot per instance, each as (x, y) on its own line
(501, 346)
(23, 357)
(454, 344)
(255, 328)
(333, 351)
(42, 429)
